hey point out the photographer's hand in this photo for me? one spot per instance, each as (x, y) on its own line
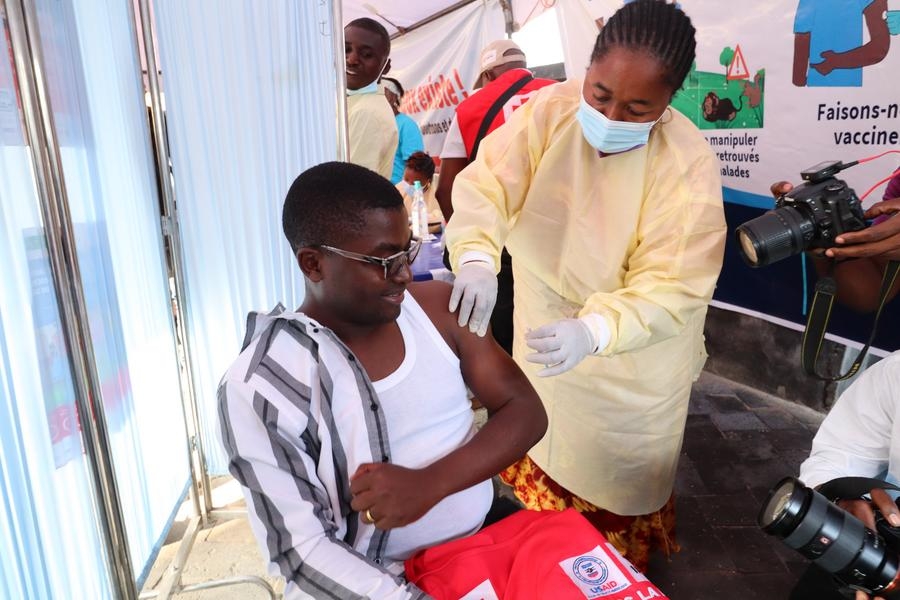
(881, 240)
(862, 509)
(781, 188)
(859, 281)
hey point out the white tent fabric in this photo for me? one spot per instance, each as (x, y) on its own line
(578, 31)
(436, 77)
(404, 14)
(50, 545)
(250, 98)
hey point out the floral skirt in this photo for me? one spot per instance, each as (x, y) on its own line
(634, 537)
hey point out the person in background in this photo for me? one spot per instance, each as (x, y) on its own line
(858, 438)
(420, 167)
(505, 86)
(410, 136)
(860, 257)
(370, 121)
(347, 422)
(610, 203)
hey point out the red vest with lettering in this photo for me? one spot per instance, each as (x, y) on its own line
(471, 111)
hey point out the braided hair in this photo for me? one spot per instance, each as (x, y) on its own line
(653, 26)
(421, 163)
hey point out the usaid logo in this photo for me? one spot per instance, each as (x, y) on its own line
(590, 569)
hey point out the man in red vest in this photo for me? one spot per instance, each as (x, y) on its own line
(507, 85)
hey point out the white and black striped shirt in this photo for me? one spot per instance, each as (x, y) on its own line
(298, 414)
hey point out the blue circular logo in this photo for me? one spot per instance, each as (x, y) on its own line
(589, 569)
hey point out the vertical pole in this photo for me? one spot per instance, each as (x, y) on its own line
(200, 487)
(340, 69)
(60, 238)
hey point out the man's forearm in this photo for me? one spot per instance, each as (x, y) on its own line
(506, 437)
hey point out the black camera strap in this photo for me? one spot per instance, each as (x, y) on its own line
(853, 487)
(820, 313)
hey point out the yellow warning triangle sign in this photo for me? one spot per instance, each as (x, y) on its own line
(738, 67)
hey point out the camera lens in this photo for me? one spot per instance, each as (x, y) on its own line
(834, 539)
(784, 505)
(775, 235)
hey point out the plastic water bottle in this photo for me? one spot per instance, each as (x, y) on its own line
(420, 214)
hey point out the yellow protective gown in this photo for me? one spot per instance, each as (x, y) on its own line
(373, 132)
(637, 238)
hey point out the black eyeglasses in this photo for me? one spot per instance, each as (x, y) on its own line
(391, 264)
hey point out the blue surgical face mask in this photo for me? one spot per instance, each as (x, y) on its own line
(369, 89)
(410, 188)
(610, 136)
(372, 87)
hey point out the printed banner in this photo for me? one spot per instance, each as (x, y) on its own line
(437, 65)
(106, 338)
(779, 86)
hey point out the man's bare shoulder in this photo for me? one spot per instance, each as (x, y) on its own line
(432, 296)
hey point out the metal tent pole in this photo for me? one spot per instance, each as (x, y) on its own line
(340, 70)
(59, 233)
(200, 487)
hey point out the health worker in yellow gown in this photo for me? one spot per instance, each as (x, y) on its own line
(371, 125)
(610, 203)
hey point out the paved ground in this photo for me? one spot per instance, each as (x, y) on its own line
(738, 443)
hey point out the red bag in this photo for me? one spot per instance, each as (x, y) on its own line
(530, 555)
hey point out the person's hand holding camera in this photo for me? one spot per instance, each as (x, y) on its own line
(862, 510)
(860, 257)
(881, 240)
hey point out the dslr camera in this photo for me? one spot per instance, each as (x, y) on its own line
(810, 216)
(834, 539)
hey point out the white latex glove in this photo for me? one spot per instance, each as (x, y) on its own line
(560, 345)
(475, 293)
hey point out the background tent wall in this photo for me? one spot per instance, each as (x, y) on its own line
(250, 103)
(85, 319)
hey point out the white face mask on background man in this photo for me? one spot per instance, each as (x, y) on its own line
(608, 136)
(372, 87)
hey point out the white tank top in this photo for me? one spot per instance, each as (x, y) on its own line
(428, 415)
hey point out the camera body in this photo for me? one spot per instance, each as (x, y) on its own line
(834, 539)
(888, 532)
(810, 216)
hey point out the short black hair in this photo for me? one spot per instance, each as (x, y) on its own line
(376, 28)
(656, 27)
(421, 162)
(327, 202)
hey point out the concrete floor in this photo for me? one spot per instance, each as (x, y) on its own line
(738, 443)
(224, 549)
